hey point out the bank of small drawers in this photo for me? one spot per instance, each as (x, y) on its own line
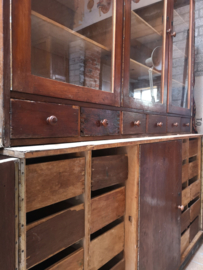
(191, 188)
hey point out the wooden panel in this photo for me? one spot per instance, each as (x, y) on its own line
(195, 210)
(193, 169)
(129, 125)
(34, 125)
(160, 188)
(194, 228)
(186, 196)
(173, 124)
(106, 246)
(152, 121)
(107, 208)
(109, 170)
(119, 266)
(46, 238)
(185, 149)
(185, 240)
(185, 220)
(52, 182)
(193, 147)
(184, 123)
(91, 122)
(71, 262)
(195, 190)
(7, 210)
(185, 176)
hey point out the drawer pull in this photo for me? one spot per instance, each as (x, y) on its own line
(181, 207)
(175, 124)
(137, 123)
(159, 124)
(52, 120)
(186, 124)
(104, 123)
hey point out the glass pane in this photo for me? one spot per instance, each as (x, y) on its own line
(72, 41)
(146, 50)
(181, 17)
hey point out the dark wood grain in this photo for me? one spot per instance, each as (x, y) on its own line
(109, 170)
(51, 182)
(119, 266)
(185, 121)
(195, 210)
(7, 210)
(152, 121)
(28, 120)
(90, 122)
(194, 228)
(160, 187)
(193, 148)
(107, 208)
(171, 124)
(52, 235)
(128, 120)
(185, 220)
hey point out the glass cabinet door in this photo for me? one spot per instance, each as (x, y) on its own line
(180, 65)
(74, 48)
(145, 49)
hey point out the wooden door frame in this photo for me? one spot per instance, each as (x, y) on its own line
(24, 81)
(171, 108)
(130, 102)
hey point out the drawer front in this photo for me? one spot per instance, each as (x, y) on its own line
(96, 122)
(156, 124)
(42, 120)
(185, 124)
(43, 190)
(49, 236)
(173, 124)
(133, 123)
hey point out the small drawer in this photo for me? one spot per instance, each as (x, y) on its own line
(173, 124)
(156, 124)
(31, 119)
(96, 122)
(109, 170)
(185, 124)
(43, 190)
(51, 234)
(133, 123)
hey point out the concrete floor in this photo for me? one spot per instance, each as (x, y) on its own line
(197, 261)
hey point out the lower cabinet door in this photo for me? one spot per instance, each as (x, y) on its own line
(160, 196)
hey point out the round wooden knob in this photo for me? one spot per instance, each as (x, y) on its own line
(159, 124)
(187, 124)
(175, 124)
(173, 34)
(104, 123)
(137, 123)
(181, 207)
(52, 120)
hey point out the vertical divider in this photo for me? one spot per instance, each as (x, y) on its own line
(132, 209)
(22, 216)
(200, 174)
(17, 170)
(87, 202)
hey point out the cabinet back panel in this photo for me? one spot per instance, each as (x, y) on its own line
(160, 186)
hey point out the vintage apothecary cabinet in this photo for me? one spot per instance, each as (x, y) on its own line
(81, 70)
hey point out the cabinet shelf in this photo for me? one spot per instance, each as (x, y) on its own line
(45, 28)
(139, 70)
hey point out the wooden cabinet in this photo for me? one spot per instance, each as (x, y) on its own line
(115, 60)
(115, 204)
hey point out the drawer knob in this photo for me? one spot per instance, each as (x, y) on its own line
(52, 120)
(175, 124)
(159, 124)
(181, 207)
(137, 123)
(104, 123)
(187, 124)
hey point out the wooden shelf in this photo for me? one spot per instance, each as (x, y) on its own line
(59, 36)
(139, 70)
(144, 32)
